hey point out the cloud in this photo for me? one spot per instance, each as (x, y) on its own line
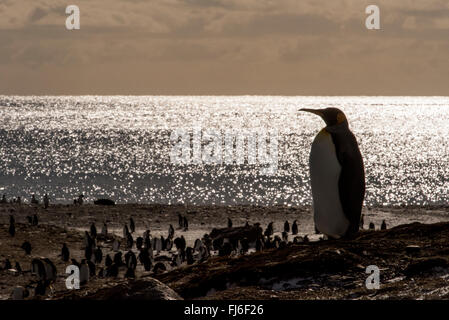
(230, 45)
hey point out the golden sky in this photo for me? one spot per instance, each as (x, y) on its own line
(224, 47)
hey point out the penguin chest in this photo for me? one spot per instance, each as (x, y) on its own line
(324, 175)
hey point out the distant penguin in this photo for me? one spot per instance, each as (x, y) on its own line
(372, 226)
(159, 268)
(295, 228)
(125, 231)
(7, 265)
(284, 236)
(132, 225)
(306, 239)
(12, 229)
(46, 201)
(65, 253)
(229, 223)
(118, 259)
(286, 227)
(108, 260)
(38, 269)
(18, 267)
(129, 241)
(269, 230)
(93, 230)
(139, 243)
(171, 231)
(180, 221)
(88, 252)
(144, 258)
(84, 272)
(92, 268)
(197, 245)
(116, 245)
(337, 176)
(104, 230)
(34, 200)
(186, 224)
(98, 254)
(112, 271)
(169, 244)
(383, 226)
(131, 260)
(189, 256)
(26, 246)
(11, 219)
(35, 220)
(50, 270)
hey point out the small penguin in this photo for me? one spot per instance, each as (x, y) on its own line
(7, 265)
(46, 201)
(337, 176)
(104, 230)
(186, 224)
(26, 246)
(180, 221)
(189, 256)
(139, 243)
(12, 229)
(93, 231)
(295, 228)
(383, 226)
(125, 231)
(108, 261)
(98, 254)
(65, 253)
(171, 231)
(132, 225)
(84, 272)
(116, 245)
(372, 226)
(229, 223)
(35, 220)
(286, 227)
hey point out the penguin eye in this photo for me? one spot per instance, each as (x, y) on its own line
(341, 117)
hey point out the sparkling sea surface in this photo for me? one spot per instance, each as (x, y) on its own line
(119, 147)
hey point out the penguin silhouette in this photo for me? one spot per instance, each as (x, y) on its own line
(65, 253)
(26, 246)
(286, 226)
(383, 226)
(295, 228)
(337, 176)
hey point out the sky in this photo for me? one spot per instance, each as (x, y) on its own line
(224, 47)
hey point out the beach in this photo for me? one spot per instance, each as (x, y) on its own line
(66, 224)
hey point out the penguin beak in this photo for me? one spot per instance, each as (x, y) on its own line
(314, 111)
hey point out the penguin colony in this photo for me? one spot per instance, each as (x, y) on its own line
(105, 255)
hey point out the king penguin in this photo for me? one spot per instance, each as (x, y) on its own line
(337, 176)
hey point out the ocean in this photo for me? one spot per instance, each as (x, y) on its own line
(119, 147)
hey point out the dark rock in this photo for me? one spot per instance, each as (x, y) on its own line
(104, 202)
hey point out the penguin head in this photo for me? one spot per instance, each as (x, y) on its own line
(332, 116)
